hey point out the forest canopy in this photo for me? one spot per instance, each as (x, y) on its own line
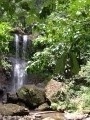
(62, 28)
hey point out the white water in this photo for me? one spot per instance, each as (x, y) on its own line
(17, 45)
(25, 37)
(19, 74)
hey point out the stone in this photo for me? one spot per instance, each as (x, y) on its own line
(13, 109)
(75, 116)
(88, 118)
(48, 118)
(12, 98)
(53, 87)
(1, 91)
(43, 107)
(52, 114)
(31, 95)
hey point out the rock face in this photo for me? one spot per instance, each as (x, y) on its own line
(52, 88)
(31, 95)
(13, 109)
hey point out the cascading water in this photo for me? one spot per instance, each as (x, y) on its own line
(19, 74)
(24, 46)
(17, 46)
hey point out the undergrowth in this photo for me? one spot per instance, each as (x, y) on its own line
(76, 97)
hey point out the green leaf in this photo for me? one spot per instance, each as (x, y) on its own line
(60, 64)
(74, 63)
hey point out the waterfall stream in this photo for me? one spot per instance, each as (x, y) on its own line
(24, 46)
(19, 73)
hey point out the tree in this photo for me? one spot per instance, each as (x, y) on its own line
(64, 35)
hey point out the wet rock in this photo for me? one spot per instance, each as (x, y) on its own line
(3, 96)
(13, 109)
(12, 98)
(2, 77)
(52, 88)
(1, 91)
(32, 96)
(43, 107)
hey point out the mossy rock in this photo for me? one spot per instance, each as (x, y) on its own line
(13, 109)
(32, 95)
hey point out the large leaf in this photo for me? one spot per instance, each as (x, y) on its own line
(74, 63)
(60, 64)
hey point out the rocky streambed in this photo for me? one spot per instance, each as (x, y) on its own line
(47, 115)
(36, 115)
(32, 102)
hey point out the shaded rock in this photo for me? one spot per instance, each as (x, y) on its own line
(1, 91)
(13, 109)
(2, 77)
(32, 96)
(53, 87)
(3, 96)
(43, 107)
(12, 98)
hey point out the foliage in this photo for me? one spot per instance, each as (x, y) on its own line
(77, 94)
(4, 37)
(85, 72)
(65, 33)
(21, 13)
(6, 65)
(74, 98)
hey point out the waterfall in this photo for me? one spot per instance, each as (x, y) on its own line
(19, 73)
(17, 45)
(24, 46)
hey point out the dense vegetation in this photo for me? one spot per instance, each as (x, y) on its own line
(62, 39)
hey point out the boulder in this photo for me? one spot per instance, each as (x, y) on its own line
(1, 91)
(53, 88)
(13, 109)
(12, 98)
(31, 95)
(43, 107)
